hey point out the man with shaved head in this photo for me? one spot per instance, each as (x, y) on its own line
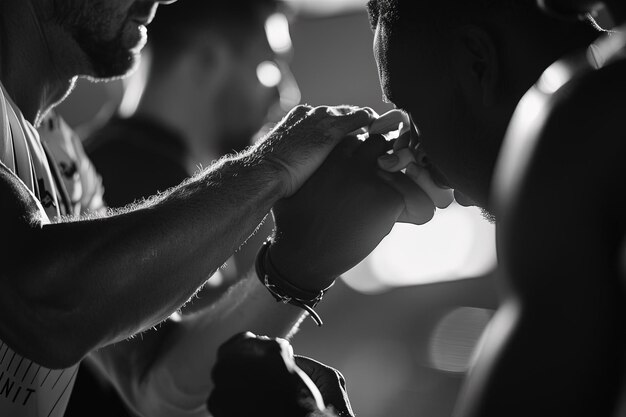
(460, 68)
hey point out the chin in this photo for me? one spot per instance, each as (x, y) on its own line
(487, 215)
(118, 64)
(116, 57)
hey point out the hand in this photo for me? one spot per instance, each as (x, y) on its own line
(299, 144)
(258, 376)
(408, 156)
(330, 382)
(341, 214)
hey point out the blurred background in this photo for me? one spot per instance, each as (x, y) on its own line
(402, 325)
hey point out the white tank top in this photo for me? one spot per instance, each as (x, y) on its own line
(26, 388)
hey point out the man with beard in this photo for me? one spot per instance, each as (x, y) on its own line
(556, 345)
(71, 286)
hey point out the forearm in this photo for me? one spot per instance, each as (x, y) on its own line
(89, 283)
(130, 270)
(177, 381)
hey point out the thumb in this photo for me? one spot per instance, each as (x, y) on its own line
(330, 383)
(418, 207)
(344, 123)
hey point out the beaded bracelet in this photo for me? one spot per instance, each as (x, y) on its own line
(284, 291)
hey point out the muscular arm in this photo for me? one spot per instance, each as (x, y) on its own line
(105, 279)
(556, 346)
(174, 379)
(68, 288)
(319, 232)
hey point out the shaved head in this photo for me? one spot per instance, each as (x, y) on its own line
(459, 67)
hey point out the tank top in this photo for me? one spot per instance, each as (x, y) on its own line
(28, 389)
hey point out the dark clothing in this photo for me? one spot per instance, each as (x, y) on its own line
(136, 157)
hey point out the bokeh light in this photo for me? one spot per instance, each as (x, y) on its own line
(457, 243)
(277, 30)
(268, 74)
(455, 337)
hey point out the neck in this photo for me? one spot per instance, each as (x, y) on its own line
(29, 68)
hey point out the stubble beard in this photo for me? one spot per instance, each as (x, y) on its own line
(110, 59)
(109, 56)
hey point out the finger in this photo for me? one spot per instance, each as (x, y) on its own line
(462, 199)
(323, 111)
(298, 112)
(314, 390)
(360, 131)
(442, 197)
(388, 122)
(419, 208)
(348, 108)
(373, 147)
(403, 141)
(372, 112)
(340, 110)
(330, 382)
(343, 124)
(363, 130)
(414, 132)
(396, 161)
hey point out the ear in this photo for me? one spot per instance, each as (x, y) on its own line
(480, 62)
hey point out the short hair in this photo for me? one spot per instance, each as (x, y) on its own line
(177, 25)
(416, 16)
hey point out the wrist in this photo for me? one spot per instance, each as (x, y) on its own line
(266, 159)
(301, 273)
(283, 289)
(267, 175)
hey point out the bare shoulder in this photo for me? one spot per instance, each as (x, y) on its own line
(562, 211)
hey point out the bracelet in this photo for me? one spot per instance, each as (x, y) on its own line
(284, 291)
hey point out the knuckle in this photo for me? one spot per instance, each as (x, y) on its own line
(424, 215)
(302, 108)
(342, 379)
(371, 112)
(299, 111)
(321, 111)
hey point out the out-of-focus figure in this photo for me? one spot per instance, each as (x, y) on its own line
(212, 77)
(557, 345)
